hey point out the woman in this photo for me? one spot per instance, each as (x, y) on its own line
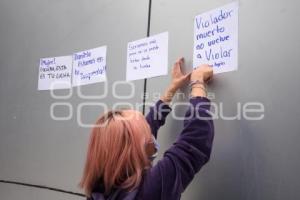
(122, 146)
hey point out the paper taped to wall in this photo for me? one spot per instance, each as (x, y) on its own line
(147, 57)
(216, 38)
(89, 66)
(55, 73)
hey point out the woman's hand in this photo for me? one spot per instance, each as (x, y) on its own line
(178, 81)
(203, 74)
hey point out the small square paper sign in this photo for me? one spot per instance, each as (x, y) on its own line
(147, 57)
(89, 66)
(55, 73)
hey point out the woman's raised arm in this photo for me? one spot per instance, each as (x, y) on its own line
(172, 174)
(158, 113)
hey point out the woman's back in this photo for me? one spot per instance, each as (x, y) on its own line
(171, 175)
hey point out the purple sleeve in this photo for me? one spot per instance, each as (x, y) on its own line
(157, 116)
(172, 174)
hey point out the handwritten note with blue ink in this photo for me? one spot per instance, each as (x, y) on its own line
(216, 38)
(147, 57)
(55, 73)
(89, 66)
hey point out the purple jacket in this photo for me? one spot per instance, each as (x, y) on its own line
(168, 179)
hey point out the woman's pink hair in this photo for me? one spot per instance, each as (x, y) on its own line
(116, 153)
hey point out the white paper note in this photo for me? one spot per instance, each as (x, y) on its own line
(55, 73)
(216, 38)
(89, 66)
(147, 57)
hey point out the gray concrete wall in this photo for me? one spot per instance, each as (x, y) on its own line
(250, 160)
